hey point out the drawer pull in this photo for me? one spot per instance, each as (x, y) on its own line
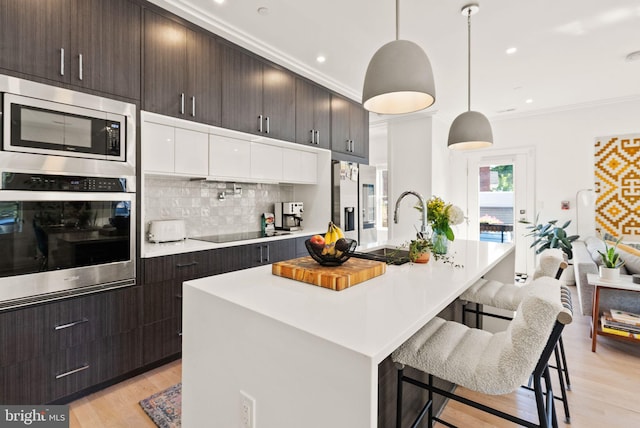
(184, 265)
(178, 296)
(71, 324)
(70, 372)
(180, 333)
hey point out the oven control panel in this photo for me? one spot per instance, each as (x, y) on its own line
(61, 183)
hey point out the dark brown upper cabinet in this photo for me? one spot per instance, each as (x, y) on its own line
(257, 97)
(349, 130)
(313, 115)
(91, 44)
(181, 71)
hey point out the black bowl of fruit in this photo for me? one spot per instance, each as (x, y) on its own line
(332, 249)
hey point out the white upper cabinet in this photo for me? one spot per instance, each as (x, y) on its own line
(166, 149)
(158, 145)
(191, 152)
(266, 162)
(299, 166)
(229, 157)
(173, 147)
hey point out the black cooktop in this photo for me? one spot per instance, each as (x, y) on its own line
(240, 236)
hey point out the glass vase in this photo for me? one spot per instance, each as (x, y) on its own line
(439, 242)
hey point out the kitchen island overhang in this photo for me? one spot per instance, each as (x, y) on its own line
(309, 356)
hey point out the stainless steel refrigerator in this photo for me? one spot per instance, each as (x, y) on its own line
(354, 200)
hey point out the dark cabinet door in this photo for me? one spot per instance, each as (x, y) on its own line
(340, 125)
(279, 103)
(313, 112)
(280, 250)
(359, 126)
(349, 129)
(204, 82)
(34, 38)
(165, 53)
(107, 37)
(241, 92)
(256, 97)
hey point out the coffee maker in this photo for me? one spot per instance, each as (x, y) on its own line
(289, 215)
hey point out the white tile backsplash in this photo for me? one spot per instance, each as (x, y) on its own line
(204, 214)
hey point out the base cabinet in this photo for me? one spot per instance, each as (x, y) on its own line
(71, 345)
(162, 288)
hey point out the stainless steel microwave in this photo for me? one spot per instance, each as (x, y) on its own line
(38, 126)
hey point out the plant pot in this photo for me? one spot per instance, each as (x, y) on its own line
(421, 257)
(609, 274)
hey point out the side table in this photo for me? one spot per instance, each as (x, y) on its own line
(624, 283)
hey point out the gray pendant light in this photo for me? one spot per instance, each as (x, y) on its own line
(470, 130)
(399, 78)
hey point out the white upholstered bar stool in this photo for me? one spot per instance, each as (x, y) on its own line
(491, 363)
(508, 296)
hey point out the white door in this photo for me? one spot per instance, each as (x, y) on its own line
(497, 225)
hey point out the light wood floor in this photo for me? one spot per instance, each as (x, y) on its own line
(605, 391)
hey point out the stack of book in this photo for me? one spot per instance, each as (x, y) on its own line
(621, 323)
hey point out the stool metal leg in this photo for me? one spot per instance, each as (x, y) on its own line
(399, 400)
(563, 390)
(565, 368)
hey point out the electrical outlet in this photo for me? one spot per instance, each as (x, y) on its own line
(247, 411)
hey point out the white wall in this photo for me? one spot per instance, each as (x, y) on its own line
(410, 163)
(564, 147)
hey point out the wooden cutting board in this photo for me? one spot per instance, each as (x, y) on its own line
(348, 274)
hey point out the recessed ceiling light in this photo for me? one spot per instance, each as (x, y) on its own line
(321, 59)
(263, 11)
(528, 101)
(511, 51)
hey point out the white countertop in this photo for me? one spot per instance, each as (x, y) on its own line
(371, 318)
(151, 249)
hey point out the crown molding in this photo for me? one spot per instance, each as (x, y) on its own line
(568, 107)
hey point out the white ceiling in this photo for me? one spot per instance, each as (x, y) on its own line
(570, 53)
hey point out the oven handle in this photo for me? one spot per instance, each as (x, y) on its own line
(27, 195)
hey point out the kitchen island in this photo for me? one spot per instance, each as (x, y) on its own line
(307, 355)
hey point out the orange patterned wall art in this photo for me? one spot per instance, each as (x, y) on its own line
(617, 185)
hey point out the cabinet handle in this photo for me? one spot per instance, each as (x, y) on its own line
(317, 137)
(352, 146)
(260, 260)
(267, 247)
(260, 123)
(193, 106)
(70, 372)
(180, 333)
(184, 265)
(313, 137)
(71, 324)
(179, 296)
(268, 125)
(182, 103)
(348, 145)
(80, 66)
(61, 61)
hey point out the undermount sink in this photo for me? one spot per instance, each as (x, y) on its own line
(389, 255)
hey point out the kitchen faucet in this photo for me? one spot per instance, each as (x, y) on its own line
(423, 229)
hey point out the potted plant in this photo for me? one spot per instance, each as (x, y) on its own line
(611, 262)
(420, 250)
(549, 235)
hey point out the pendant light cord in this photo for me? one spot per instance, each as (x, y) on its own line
(397, 19)
(469, 60)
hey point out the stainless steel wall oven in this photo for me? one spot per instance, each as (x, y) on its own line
(67, 216)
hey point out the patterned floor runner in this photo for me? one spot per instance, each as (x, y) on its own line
(165, 407)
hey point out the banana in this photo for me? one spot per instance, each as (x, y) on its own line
(330, 239)
(338, 232)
